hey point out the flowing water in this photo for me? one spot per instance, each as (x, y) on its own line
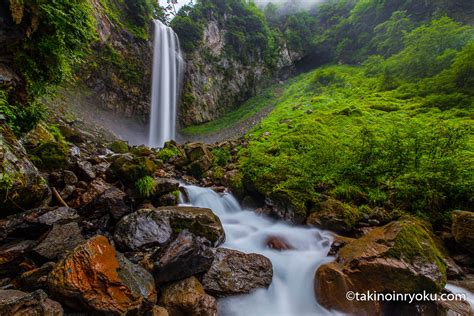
(291, 292)
(168, 68)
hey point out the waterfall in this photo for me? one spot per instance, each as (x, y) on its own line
(168, 67)
(292, 290)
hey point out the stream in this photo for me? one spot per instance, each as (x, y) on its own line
(291, 292)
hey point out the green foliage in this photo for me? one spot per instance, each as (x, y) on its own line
(222, 156)
(59, 42)
(429, 49)
(189, 32)
(55, 37)
(21, 117)
(388, 38)
(247, 38)
(168, 153)
(145, 186)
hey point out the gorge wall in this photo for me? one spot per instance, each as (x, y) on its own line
(228, 59)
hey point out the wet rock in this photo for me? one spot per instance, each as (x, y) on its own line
(95, 188)
(187, 255)
(17, 303)
(112, 201)
(338, 243)
(84, 170)
(400, 257)
(278, 243)
(21, 185)
(199, 221)
(334, 215)
(165, 185)
(142, 229)
(170, 199)
(280, 206)
(187, 297)
(96, 278)
(59, 241)
(463, 229)
(234, 272)
(33, 223)
(37, 278)
(13, 250)
(69, 177)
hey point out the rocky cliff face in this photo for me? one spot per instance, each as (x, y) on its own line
(216, 81)
(120, 69)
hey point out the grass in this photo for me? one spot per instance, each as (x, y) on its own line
(333, 131)
(231, 118)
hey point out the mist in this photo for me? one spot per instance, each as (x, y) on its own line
(293, 5)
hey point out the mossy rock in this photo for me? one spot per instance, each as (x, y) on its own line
(21, 185)
(334, 215)
(142, 151)
(119, 147)
(50, 156)
(402, 257)
(130, 169)
(463, 229)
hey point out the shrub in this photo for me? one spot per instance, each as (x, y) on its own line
(145, 186)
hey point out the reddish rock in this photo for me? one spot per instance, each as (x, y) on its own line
(95, 188)
(96, 278)
(278, 243)
(187, 297)
(400, 257)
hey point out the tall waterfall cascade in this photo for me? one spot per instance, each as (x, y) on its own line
(168, 65)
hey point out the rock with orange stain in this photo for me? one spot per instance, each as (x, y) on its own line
(96, 278)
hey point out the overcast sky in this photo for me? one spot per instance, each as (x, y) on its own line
(179, 5)
(305, 3)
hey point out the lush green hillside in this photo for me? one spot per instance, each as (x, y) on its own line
(396, 132)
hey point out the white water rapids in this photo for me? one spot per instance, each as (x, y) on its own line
(291, 292)
(168, 66)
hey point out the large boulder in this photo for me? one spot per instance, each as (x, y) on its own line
(463, 229)
(154, 227)
(94, 277)
(21, 185)
(400, 257)
(187, 255)
(187, 297)
(17, 303)
(142, 229)
(234, 272)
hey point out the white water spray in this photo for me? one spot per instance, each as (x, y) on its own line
(291, 292)
(168, 67)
